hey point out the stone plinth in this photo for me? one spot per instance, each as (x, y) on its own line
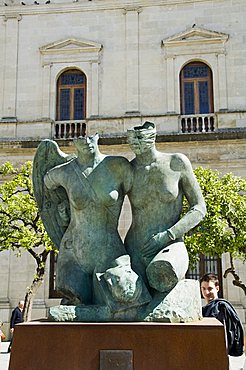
(138, 346)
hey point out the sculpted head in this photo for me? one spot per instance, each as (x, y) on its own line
(87, 144)
(142, 138)
(123, 283)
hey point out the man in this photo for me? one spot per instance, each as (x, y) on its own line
(16, 318)
(223, 311)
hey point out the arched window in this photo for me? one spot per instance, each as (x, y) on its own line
(71, 95)
(196, 89)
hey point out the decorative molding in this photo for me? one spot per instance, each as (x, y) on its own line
(70, 51)
(70, 46)
(129, 8)
(8, 16)
(195, 40)
(195, 35)
(68, 6)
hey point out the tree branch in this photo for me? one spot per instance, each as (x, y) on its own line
(231, 226)
(34, 254)
(231, 270)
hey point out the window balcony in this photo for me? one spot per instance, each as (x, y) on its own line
(198, 123)
(68, 129)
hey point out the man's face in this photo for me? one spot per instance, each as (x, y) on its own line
(86, 144)
(209, 291)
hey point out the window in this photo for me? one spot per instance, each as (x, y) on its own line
(205, 265)
(196, 89)
(71, 96)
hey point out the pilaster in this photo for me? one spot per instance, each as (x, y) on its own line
(94, 89)
(132, 59)
(223, 99)
(170, 84)
(11, 65)
(46, 91)
(4, 285)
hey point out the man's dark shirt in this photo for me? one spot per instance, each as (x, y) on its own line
(16, 317)
(223, 311)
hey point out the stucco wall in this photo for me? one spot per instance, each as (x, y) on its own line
(131, 54)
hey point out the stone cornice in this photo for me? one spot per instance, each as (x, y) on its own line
(12, 15)
(85, 6)
(122, 138)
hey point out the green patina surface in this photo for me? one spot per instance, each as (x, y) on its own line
(80, 198)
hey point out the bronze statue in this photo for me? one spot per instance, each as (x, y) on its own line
(160, 183)
(80, 199)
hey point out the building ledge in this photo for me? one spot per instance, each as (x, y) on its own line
(121, 138)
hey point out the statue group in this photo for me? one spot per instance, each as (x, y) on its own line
(80, 198)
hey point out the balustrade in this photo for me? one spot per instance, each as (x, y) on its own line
(187, 124)
(69, 130)
(198, 123)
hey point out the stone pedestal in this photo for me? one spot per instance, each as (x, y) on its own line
(119, 346)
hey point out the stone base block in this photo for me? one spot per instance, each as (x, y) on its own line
(119, 346)
(182, 304)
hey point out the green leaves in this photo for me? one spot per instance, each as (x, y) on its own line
(21, 226)
(224, 227)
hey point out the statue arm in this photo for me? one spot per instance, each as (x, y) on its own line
(193, 193)
(50, 179)
(52, 182)
(197, 211)
(127, 176)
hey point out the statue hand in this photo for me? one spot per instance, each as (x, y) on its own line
(155, 244)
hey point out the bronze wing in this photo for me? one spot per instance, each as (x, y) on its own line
(48, 155)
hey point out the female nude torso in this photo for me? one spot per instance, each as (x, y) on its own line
(160, 182)
(91, 240)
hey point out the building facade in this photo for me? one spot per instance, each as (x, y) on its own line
(73, 67)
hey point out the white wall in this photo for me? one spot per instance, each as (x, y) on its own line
(134, 72)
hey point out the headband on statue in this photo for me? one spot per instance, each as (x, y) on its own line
(146, 131)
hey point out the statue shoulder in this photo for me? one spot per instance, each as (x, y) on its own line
(121, 169)
(63, 168)
(118, 163)
(180, 162)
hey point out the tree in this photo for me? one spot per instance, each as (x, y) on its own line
(21, 226)
(224, 227)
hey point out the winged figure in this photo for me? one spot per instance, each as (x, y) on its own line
(80, 199)
(49, 201)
